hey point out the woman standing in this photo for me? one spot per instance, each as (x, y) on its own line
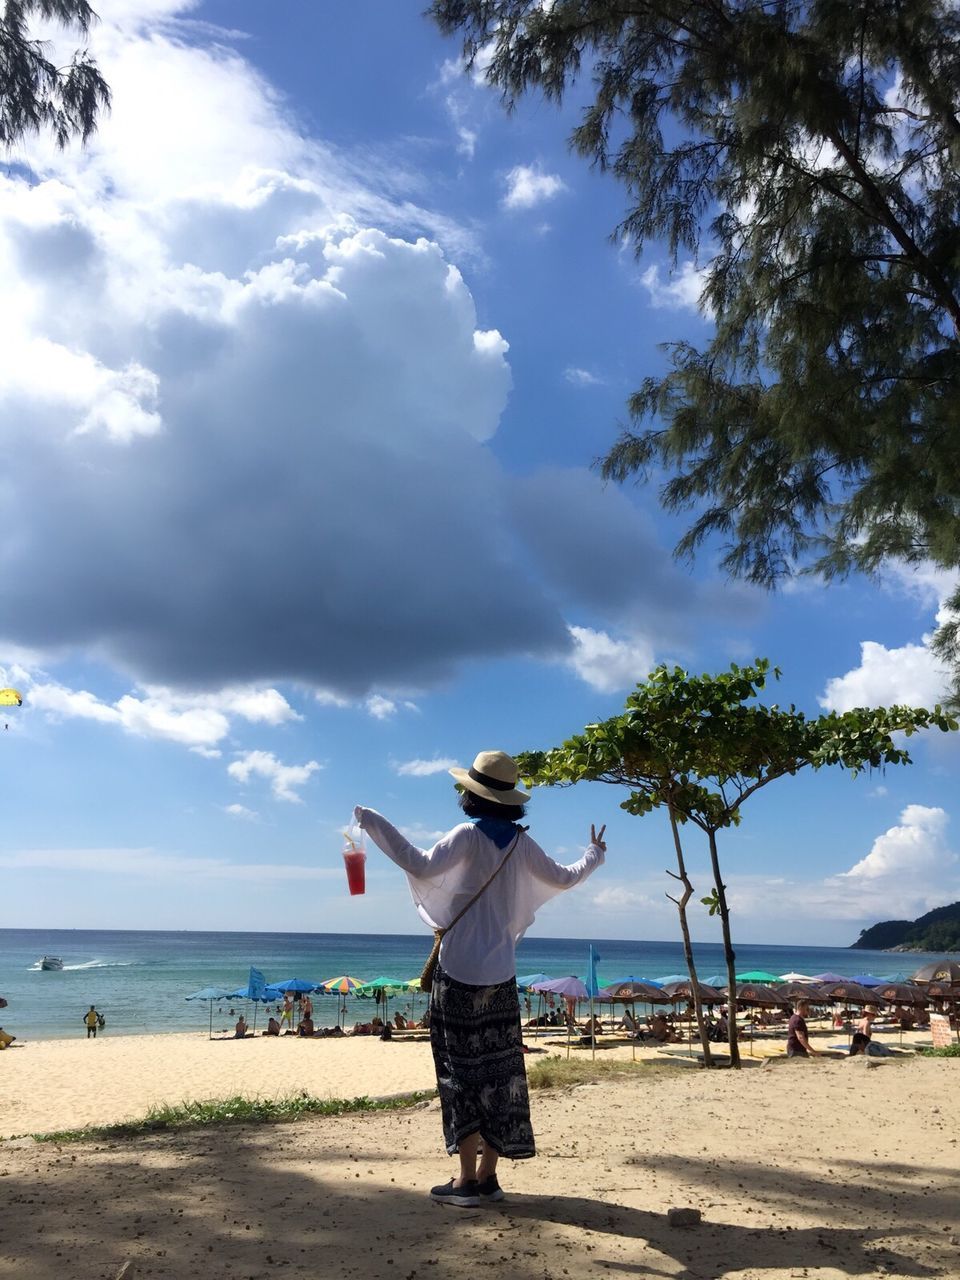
(474, 1010)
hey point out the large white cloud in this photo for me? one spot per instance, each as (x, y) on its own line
(915, 846)
(910, 674)
(244, 405)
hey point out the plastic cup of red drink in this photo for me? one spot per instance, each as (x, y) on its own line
(355, 862)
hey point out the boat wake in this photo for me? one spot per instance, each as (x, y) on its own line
(88, 964)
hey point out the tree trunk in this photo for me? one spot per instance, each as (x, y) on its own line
(681, 904)
(728, 951)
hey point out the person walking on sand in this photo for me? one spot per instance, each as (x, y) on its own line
(493, 868)
(91, 1021)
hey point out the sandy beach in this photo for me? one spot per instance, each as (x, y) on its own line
(823, 1169)
(50, 1085)
(819, 1169)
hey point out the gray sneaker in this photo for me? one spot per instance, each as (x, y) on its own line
(465, 1197)
(489, 1189)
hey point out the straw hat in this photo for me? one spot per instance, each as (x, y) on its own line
(492, 775)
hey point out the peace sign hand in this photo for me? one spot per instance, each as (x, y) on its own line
(596, 837)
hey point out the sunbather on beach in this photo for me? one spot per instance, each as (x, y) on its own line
(306, 1027)
(490, 861)
(240, 1030)
(662, 1031)
(273, 1027)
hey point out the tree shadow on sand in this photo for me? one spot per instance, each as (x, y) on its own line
(305, 1199)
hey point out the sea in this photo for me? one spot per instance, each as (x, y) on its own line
(140, 981)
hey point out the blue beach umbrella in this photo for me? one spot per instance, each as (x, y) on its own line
(210, 994)
(531, 979)
(632, 977)
(292, 984)
(868, 980)
(672, 977)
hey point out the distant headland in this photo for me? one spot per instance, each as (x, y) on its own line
(938, 930)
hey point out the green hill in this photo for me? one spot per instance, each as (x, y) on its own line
(938, 930)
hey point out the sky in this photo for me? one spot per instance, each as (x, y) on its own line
(305, 364)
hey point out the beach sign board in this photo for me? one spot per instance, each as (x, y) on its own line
(940, 1030)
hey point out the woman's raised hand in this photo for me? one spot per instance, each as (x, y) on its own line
(596, 837)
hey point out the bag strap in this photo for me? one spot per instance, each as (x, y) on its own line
(485, 887)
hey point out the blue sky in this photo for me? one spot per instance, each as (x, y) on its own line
(304, 366)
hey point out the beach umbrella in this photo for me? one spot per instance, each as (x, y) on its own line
(868, 980)
(678, 991)
(294, 984)
(902, 993)
(635, 989)
(210, 994)
(341, 986)
(757, 975)
(629, 992)
(760, 996)
(797, 991)
(382, 989)
(944, 971)
(795, 977)
(942, 991)
(530, 980)
(672, 977)
(850, 993)
(569, 986)
(828, 977)
(631, 977)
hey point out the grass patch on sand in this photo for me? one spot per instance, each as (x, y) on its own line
(948, 1051)
(237, 1110)
(559, 1073)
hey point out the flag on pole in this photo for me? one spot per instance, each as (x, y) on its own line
(592, 985)
(257, 984)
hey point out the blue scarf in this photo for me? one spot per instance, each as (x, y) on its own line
(499, 830)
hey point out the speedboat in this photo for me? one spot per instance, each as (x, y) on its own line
(51, 962)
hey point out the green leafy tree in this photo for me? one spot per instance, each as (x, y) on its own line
(809, 153)
(35, 93)
(701, 746)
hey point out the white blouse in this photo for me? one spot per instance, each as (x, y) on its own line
(480, 949)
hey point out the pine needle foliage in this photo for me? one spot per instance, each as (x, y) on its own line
(808, 153)
(36, 94)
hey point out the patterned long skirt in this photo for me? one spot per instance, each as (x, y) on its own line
(478, 1054)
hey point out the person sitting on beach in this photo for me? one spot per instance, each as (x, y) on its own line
(400, 1022)
(240, 1030)
(628, 1022)
(273, 1027)
(798, 1041)
(593, 1026)
(661, 1030)
(386, 1031)
(863, 1033)
(306, 1027)
(6, 1039)
(362, 1028)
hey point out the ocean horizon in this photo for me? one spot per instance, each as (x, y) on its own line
(139, 979)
